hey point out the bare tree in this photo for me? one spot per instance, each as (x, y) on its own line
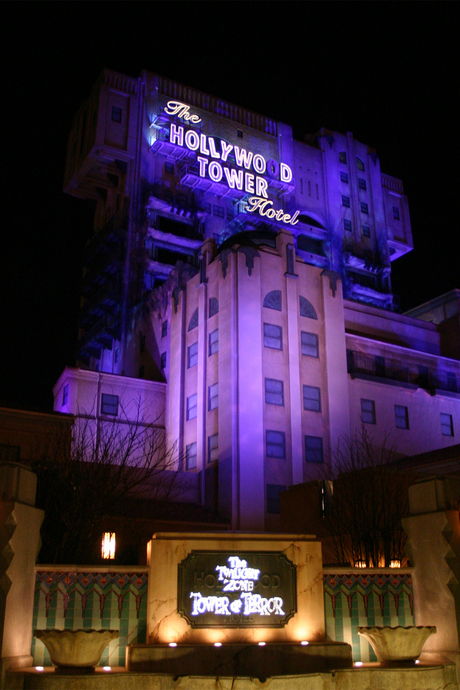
(105, 463)
(368, 498)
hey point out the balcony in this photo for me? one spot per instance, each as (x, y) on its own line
(391, 372)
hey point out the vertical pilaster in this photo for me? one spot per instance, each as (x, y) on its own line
(202, 402)
(294, 376)
(175, 426)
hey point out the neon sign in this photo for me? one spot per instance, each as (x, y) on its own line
(231, 165)
(227, 590)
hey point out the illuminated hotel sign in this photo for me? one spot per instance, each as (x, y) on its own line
(228, 590)
(247, 173)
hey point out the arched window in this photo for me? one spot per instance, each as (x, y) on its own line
(273, 300)
(213, 306)
(359, 163)
(193, 323)
(307, 309)
(342, 157)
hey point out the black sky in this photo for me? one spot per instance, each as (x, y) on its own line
(386, 71)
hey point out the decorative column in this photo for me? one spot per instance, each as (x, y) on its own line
(20, 524)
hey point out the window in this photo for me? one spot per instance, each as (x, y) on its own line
(230, 214)
(213, 306)
(206, 207)
(239, 133)
(164, 329)
(213, 448)
(395, 212)
(218, 211)
(447, 424)
(343, 177)
(116, 114)
(193, 323)
(342, 157)
(116, 355)
(312, 398)
(345, 201)
(306, 308)
(359, 164)
(347, 225)
(273, 300)
(190, 456)
(314, 449)
(65, 394)
(214, 342)
(141, 342)
(192, 355)
(163, 360)
(273, 336)
(368, 411)
(274, 393)
(273, 498)
(309, 344)
(401, 417)
(213, 396)
(109, 404)
(366, 231)
(191, 407)
(364, 207)
(362, 183)
(276, 444)
(169, 168)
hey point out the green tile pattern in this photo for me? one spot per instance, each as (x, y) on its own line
(352, 600)
(94, 600)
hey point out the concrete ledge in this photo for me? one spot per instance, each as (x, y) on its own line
(239, 659)
(369, 676)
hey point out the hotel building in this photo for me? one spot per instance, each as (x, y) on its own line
(238, 287)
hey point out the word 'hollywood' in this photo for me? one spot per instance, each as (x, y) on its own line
(237, 577)
(235, 178)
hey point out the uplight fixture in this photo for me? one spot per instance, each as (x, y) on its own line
(358, 663)
(217, 644)
(304, 643)
(173, 644)
(39, 668)
(261, 644)
(106, 668)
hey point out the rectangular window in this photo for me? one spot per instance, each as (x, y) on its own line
(447, 424)
(314, 449)
(312, 398)
(190, 456)
(65, 394)
(213, 448)
(206, 207)
(401, 417)
(364, 207)
(344, 177)
(274, 392)
(218, 211)
(273, 336)
(368, 411)
(366, 230)
(362, 183)
(342, 157)
(309, 344)
(116, 114)
(163, 360)
(213, 396)
(109, 404)
(214, 342)
(164, 329)
(276, 444)
(347, 225)
(345, 201)
(169, 168)
(395, 212)
(191, 407)
(192, 355)
(273, 498)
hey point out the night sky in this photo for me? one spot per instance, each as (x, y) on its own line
(386, 71)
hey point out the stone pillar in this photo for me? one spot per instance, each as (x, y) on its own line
(20, 524)
(433, 545)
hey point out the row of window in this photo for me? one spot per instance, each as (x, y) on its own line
(363, 205)
(191, 453)
(362, 184)
(368, 416)
(343, 159)
(213, 401)
(348, 227)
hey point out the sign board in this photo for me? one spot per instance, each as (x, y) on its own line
(236, 590)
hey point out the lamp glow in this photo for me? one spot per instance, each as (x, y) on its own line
(108, 545)
(261, 644)
(173, 644)
(304, 643)
(358, 663)
(217, 644)
(106, 668)
(39, 668)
